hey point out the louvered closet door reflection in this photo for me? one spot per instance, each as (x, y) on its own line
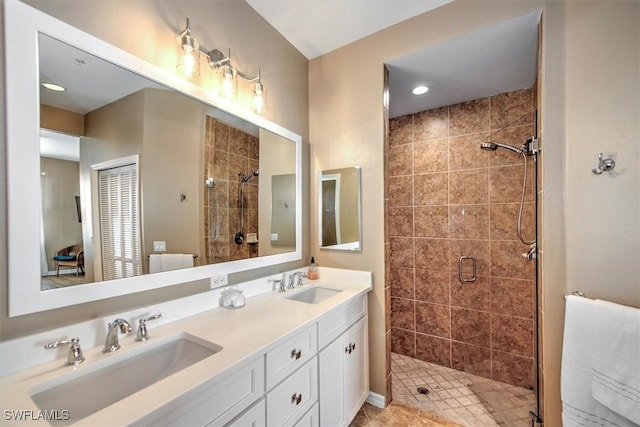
(119, 224)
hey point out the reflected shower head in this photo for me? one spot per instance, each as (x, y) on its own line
(493, 146)
(246, 178)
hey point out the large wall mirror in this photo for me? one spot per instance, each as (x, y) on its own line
(340, 209)
(132, 178)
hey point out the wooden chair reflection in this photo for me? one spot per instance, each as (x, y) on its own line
(71, 256)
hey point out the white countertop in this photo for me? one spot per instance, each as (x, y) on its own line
(243, 334)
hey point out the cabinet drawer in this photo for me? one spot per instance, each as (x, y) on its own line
(294, 396)
(310, 419)
(256, 416)
(337, 321)
(291, 354)
(219, 402)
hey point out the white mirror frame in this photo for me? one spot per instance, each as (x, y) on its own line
(22, 25)
(350, 246)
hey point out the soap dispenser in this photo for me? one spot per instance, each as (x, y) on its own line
(313, 270)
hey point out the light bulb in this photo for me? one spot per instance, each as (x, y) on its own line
(228, 89)
(258, 98)
(188, 64)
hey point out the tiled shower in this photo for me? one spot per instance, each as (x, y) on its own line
(227, 152)
(448, 199)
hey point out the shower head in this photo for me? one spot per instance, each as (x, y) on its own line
(488, 146)
(246, 178)
(493, 146)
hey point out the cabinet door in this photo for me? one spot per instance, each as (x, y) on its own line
(356, 365)
(331, 378)
(344, 376)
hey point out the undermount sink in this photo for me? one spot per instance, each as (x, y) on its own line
(92, 388)
(313, 295)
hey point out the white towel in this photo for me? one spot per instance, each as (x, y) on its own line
(579, 408)
(167, 262)
(615, 366)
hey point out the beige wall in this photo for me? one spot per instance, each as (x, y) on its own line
(170, 164)
(586, 102)
(60, 184)
(148, 29)
(603, 115)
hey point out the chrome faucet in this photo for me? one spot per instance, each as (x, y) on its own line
(111, 344)
(142, 334)
(74, 357)
(297, 276)
(278, 283)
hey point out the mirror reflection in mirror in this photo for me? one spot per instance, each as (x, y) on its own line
(340, 208)
(137, 178)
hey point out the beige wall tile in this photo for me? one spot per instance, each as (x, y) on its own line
(469, 221)
(513, 297)
(469, 186)
(433, 349)
(475, 295)
(512, 109)
(400, 160)
(431, 189)
(402, 314)
(432, 285)
(512, 335)
(470, 358)
(401, 221)
(470, 326)
(433, 319)
(465, 152)
(430, 125)
(401, 282)
(400, 130)
(432, 156)
(469, 117)
(432, 221)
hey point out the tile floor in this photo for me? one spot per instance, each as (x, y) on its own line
(459, 397)
(397, 415)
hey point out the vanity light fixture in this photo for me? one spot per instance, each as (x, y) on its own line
(420, 90)
(54, 87)
(189, 48)
(220, 63)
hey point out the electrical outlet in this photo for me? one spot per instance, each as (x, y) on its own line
(219, 281)
(159, 246)
(274, 237)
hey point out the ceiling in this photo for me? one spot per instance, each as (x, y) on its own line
(316, 27)
(495, 59)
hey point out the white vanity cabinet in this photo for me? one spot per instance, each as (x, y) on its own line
(344, 369)
(316, 375)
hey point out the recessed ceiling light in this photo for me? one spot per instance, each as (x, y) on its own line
(420, 90)
(54, 87)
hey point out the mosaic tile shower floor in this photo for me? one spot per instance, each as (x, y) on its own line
(465, 399)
